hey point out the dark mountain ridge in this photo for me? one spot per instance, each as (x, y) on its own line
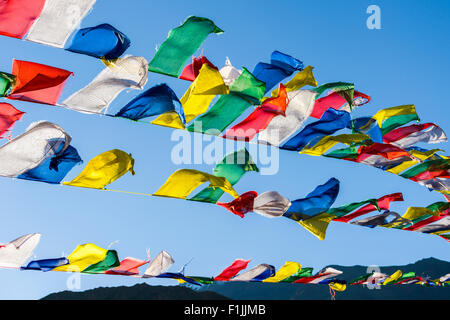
(429, 267)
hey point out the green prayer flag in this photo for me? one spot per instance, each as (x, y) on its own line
(348, 153)
(244, 91)
(346, 209)
(6, 83)
(362, 278)
(397, 121)
(232, 167)
(433, 165)
(111, 261)
(302, 273)
(336, 86)
(181, 44)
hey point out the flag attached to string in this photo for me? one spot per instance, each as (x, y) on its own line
(58, 20)
(102, 41)
(129, 72)
(36, 82)
(181, 44)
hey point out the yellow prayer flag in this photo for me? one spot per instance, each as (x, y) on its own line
(417, 212)
(318, 224)
(82, 257)
(182, 182)
(383, 114)
(196, 99)
(301, 79)
(403, 166)
(338, 286)
(104, 169)
(327, 142)
(394, 277)
(287, 270)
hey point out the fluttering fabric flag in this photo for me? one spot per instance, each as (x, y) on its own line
(232, 167)
(182, 182)
(282, 127)
(46, 264)
(379, 220)
(14, 253)
(367, 125)
(317, 224)
(317, 201)
(442, 224)
(372, 278)
(321, 277)
(82, 257)
(338, 286)
(41, 141)
(7, 81)
(260, 118)
(241, 205)
(281, 66)
(392, 118)
(197, 98)
(328, 142)
(347, 213)
(232, 270)
(258, 273)
(8, 116)
(301, 79)
(271, 204)
(159, 265)
(111, 260)
(129, 72)
(331, 121)
(424, 167)
(288, 269)
(345, 89)
(337, 100)
(181, 44)
(191, 71)
(301, 273)
(102, 41)
(153, 102)
(36, 82)
(104, 169)
(229, 73)
(386, 151)
(408, 136)
(17, 16)
(128, 267)
(244, 91)
(393, 277)
(54, 169)
(58, 20)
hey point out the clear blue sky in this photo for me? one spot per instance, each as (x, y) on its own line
(405, 62)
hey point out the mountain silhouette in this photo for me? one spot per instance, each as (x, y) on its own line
(430, 267)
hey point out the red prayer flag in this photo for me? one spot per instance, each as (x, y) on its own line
(383, 203)
(403, 132)
(425, 222)
(427, 175)
(191, 71)
(241, 205)
(232, 270)
(8, 116)
(37, 82)
(17, 16)
(334, 100)
(387, 151)
(260, 118)
(128, 267)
